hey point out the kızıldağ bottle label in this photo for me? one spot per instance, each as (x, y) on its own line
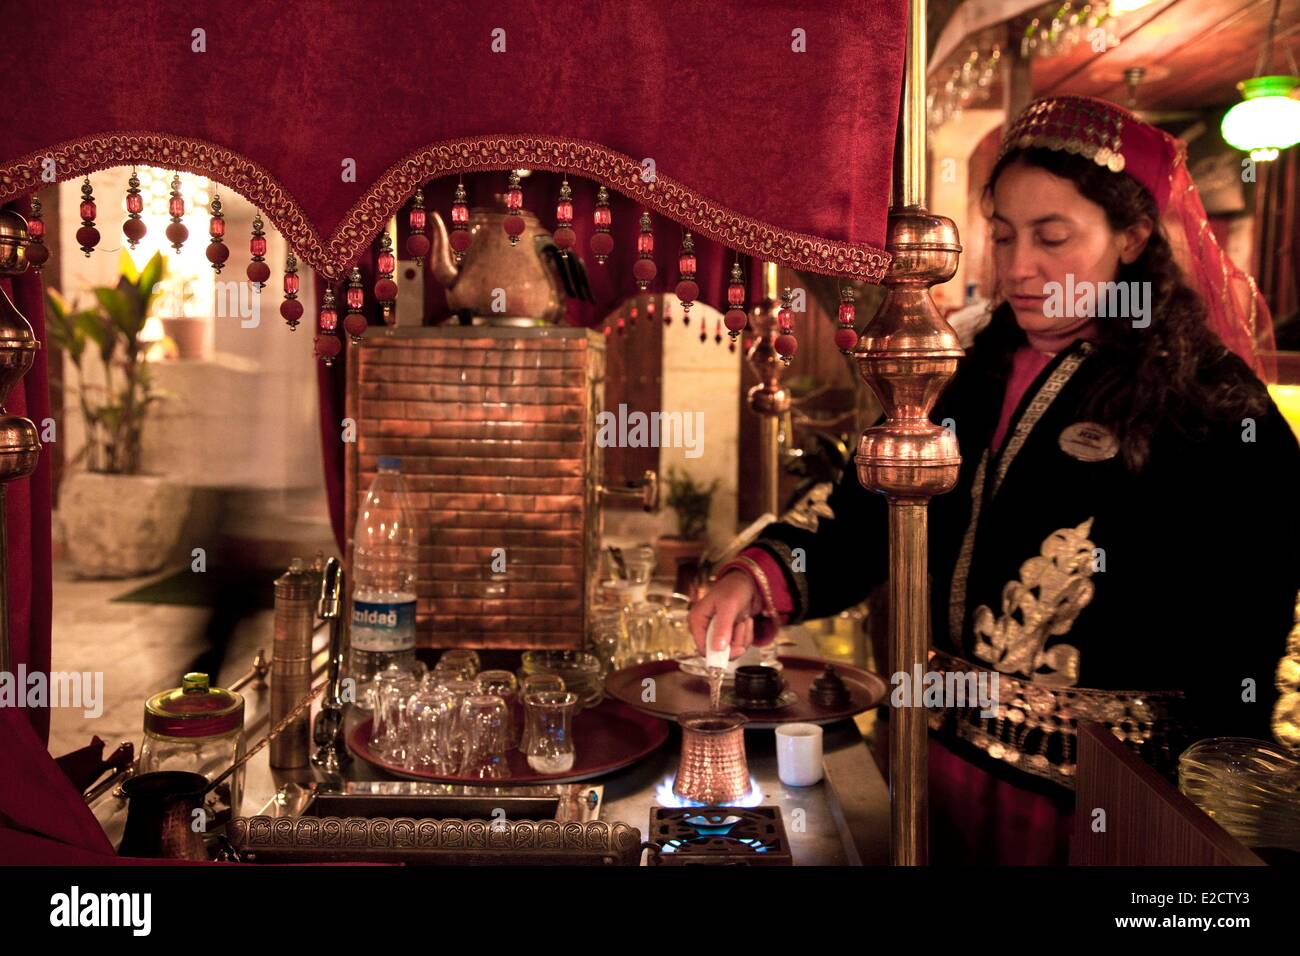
(383, 626)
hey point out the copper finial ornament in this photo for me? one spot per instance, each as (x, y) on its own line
(713, 770)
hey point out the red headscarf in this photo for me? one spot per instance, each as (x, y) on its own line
(1114, 138)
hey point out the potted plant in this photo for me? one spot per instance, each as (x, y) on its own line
(691, 502)
(117, 521)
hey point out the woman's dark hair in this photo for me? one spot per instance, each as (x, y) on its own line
(1157, 375)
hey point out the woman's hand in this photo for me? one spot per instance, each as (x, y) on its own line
(731, 604)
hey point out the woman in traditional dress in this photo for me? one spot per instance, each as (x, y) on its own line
(1121, 542)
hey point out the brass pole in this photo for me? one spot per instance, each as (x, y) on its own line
(906, 355)
(768, 399)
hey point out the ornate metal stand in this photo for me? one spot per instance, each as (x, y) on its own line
(20, 447)
(906, 355)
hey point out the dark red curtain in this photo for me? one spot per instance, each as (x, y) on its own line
(781, 112)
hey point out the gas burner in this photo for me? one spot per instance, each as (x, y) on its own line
(732, 836)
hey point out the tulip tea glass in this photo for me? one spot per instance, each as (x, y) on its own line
(505, 685)
(536, 684)
(459, 661)
(484, 721)
(429, 714)
(392, 689)
(548, 716)
(453, 737)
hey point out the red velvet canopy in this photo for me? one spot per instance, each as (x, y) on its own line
(781, 154)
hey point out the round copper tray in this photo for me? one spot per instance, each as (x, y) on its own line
(677, 692)
(609, 737)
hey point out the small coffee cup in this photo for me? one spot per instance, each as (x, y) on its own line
(799, 754)
(755, 682)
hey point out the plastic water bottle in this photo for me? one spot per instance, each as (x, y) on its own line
(384, 562)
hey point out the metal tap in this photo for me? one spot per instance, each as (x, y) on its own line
(331, 753)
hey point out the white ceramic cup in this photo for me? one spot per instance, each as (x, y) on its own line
(799, 754)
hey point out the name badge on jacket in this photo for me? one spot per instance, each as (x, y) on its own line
(1088, 441)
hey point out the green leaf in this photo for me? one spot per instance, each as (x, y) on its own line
(151, 277)
(120, 309)
(126, 266)
(96, 329)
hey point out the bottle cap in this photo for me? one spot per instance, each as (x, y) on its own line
(390, 463)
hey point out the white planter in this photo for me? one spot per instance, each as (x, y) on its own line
(121, 526)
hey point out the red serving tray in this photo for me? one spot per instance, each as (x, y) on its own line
(677, 692)
(608, 737)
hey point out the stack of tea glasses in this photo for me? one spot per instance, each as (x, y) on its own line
(458, 721)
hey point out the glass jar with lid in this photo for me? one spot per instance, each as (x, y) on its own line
(199, 728)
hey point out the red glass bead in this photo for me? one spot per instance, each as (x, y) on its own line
(356, 298)
(736, 296)
(735, 320)
(355, 325)
(176, 207)
(327, 347)
(87, 238)
(385, 290)
(564, 212)
(134, 230)
(460, 214)
(564, 238)
(387, 262)
(845, 339)
(514, 199)
(329, 320)
(257, 245)
(217, 253)
(291, 311)
(87, 209)
(645, 243)
(258, 272)
(134, 203)
(291, 283)
(644, 270)
(217, 228)
(417, 245)
(460, 240)
(602, 217)
(417, 220)
(784, 317)
(36, 228)
(688, 290)
(686, 265)
(847, 313)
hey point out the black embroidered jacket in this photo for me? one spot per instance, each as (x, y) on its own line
(1058, 568)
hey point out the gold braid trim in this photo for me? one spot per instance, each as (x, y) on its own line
(800, 579)
(1033, 719)
(764, 586)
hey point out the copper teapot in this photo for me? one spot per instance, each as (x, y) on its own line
(497, 281)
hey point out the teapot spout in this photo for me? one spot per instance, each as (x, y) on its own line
(440, 258)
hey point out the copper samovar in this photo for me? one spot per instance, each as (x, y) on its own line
(499, 282)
